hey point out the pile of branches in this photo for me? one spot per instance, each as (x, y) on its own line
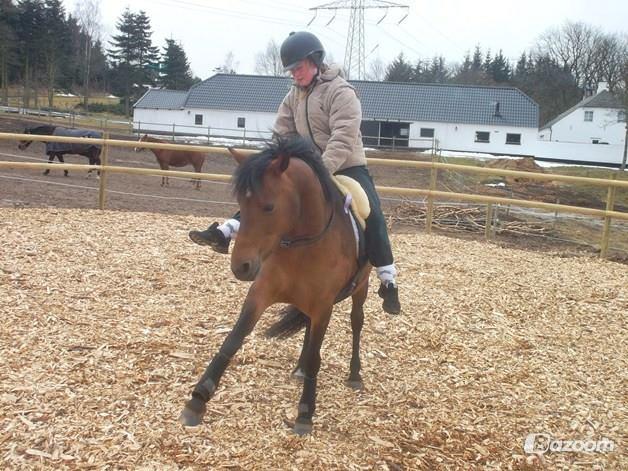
(463, 219)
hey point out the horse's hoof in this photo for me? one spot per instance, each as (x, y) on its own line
(302, 427)
(355, 384)
(190, 418)
(297, 375)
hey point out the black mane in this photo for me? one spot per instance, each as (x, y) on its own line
(248, 175)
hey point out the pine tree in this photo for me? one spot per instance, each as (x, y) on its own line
(147, 54)
(55, 48)
(134, 58)
(8, 46)
(176, 74)
(31, 41)
(399, 70)
(499, 69)
(124, 56)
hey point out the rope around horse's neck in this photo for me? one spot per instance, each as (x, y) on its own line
(307, 240)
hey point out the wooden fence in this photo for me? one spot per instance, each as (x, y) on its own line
(431, 193)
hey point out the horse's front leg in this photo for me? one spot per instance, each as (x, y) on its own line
(254, 305)
(311, 365)
(51, 157)
(357, 321)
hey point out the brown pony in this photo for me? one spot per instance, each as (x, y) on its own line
(296, 244)
(175, 158)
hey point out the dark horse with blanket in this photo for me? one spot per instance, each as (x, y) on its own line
(59, 149)
(297, 245)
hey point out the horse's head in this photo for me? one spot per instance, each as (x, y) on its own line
(274, 193)
(24, 144)
(141, 139)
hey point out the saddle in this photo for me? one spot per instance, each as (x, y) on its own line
(355, 197)
(358, 208)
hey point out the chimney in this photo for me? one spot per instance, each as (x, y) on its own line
(588, 91)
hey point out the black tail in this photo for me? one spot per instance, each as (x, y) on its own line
(291, 322)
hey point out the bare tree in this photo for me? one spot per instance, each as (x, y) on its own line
(88, 14)
(269, 61)
(611, 53)
(377, 71)
(229, 65)
(575, 47)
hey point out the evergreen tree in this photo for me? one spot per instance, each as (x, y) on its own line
(8, 46)
(31, 42)
(438, 70)
(134, 58)
(399, 70)
(124, 57)
(147, 54)
(176, 73)
(54, 35)
(499, 69)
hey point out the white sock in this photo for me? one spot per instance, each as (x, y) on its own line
(229, 228)
(386, 274)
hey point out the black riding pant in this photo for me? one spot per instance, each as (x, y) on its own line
(378, 247)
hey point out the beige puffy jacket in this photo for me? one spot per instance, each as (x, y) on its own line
(329, 113)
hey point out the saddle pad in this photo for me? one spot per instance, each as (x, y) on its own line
(359, 200)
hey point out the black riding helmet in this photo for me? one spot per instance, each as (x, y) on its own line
(299, 46)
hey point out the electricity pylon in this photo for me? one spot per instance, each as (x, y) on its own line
(355, 60)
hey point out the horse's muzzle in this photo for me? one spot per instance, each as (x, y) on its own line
(246, 270)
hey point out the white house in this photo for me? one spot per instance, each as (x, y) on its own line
(598, 119)
(591, 132)
(500, 120)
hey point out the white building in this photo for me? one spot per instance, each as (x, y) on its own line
(598, 119)
(499, 120)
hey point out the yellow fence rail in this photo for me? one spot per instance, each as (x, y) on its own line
(607, 214)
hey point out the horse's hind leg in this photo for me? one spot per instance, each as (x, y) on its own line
(311, 364)
(357, 321)
(60, 157)
(194, 409)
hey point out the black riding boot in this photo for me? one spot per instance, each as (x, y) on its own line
(390, 294)
(213, 237)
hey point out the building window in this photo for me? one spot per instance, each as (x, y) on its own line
(427, 132)
(241, 122)
(588, 115)
(621, 116)
(482, 136)
(514, 139)
(198, 119)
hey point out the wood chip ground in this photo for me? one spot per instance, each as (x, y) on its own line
(109, 318)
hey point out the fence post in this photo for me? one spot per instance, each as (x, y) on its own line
(209, 134)
(489, 221)
(173, 128)
(103, 174)
(430, 198)
(606, 229)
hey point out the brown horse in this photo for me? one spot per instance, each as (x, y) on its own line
(296, 244)
(175, 158)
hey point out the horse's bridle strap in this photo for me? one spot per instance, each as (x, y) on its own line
(290, 243)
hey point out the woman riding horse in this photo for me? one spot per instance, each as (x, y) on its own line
(323, 107)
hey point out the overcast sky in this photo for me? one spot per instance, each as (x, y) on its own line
(208, 30)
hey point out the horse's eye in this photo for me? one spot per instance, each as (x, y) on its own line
(268, 208)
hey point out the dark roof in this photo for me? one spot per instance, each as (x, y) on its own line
(162, 99)
(239, 93)
(410, 102)
(604, 99)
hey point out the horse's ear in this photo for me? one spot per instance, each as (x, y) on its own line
(237, 155)
(280, 163)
